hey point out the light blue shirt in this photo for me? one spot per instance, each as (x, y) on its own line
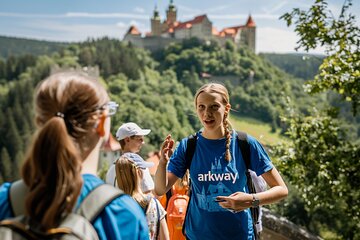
(123, 218)
(212, 175)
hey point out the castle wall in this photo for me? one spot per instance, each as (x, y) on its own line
(156, 43)
(248, 38)
(206, 28)
(136, 40)
(196, 31)
(182, 33)
(222, 40)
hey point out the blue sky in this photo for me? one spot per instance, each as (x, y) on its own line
(78, 20)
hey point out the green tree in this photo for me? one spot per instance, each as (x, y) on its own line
(323, 166)
(6, 165)
(319, 159)
(14, 143)
(340, 70)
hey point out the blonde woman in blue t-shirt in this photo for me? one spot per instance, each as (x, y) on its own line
(220, 204)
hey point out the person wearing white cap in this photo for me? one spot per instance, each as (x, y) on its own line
(129, 171)
(131, 139)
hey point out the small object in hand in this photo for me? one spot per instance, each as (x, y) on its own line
(219, 200)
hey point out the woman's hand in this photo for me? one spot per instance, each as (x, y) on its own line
(166, 149)
(235, 202)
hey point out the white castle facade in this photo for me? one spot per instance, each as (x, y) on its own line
(171, 30)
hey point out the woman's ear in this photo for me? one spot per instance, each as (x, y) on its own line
(100, 129)
(140, 172)
(227, 108)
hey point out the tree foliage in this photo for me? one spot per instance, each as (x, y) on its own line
(323, 165)
(12, 46)
(256, 86)
(320, 160)
(304, 66)
(340, 70)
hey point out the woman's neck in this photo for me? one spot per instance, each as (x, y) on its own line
(90, 164)
(215, 134)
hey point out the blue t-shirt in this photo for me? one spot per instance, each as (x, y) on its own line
(121, 219)
(212, 175)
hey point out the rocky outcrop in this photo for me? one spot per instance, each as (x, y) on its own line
(279, 228)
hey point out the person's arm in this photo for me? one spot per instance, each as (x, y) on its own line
(240, 201)
(164, 231)
(163, 179)
(277, 191)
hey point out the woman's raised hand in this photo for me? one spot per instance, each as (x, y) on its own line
(167, 149)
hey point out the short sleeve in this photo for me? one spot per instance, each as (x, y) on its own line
(260, 160)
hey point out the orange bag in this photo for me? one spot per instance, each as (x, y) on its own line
(176, 212)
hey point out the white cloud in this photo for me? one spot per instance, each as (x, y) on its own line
(137, 24)
(275, 40)
(58, 31)
(24, 15)
(121, 25)
(106, 15)
(217, 8)
(275, 8)
(244, 16)
(76, 15)
(139, 10)
(182, 8)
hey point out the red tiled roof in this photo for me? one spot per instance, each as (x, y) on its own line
(188, 24)
(133, 30)
(112, 145)
(250, 22)
(230, 31)
(214, 31)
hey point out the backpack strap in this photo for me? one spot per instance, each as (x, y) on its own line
(245, 152)
(168, 195)
(90, 208)
(97, 200)
(244, 147)
(158, 219)
(17, 194)
(190, 150)
(189, 154)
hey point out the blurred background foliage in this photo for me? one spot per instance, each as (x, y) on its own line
(302, 107)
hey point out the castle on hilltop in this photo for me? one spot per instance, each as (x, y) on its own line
(171, 30)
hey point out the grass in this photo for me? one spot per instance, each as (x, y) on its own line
(260, 130)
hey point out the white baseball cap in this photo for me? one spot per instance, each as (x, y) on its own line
(130, 129)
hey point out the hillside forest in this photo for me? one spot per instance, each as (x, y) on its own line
(320, 125)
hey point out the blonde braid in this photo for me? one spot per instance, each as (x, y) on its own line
(228, 138)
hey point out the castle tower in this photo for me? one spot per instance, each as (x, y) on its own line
(250, 33)
(155, 23)
(171, 13)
